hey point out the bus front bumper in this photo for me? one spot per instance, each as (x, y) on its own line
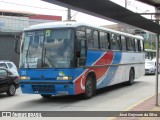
(47, 87)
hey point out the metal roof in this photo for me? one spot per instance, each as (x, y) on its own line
(110, 11)
(155, 3)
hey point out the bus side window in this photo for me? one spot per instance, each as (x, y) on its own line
(119, 43)
(102, 40)
(115, 41)
(104, 44)
(107, 45)
(136, 45)
(130, 44)
(95, 40)
(133, 44)
(89, 38)
(142, 45)
(123, 43)
(139, 45)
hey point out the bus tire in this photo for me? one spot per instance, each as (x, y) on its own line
(89, 88)
(46, 96)
(131, 76)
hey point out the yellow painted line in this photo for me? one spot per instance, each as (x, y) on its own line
(128, 108)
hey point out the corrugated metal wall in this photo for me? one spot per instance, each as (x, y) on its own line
(7, 51)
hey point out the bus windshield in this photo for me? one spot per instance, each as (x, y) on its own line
(52, 48)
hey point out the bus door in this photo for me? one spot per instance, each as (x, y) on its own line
(81, 48)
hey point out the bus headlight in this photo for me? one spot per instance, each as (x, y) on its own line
(64, 78)
(24, 78)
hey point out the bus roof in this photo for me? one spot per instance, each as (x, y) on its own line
(73, 24)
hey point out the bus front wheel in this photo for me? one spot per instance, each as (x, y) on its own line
(89, 88)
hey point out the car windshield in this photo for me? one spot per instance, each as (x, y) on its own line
(51, 48)
(150, 63)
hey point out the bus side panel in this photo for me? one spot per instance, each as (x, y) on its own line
(117, 71)
(122, 73)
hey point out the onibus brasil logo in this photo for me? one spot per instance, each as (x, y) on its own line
(21, 114)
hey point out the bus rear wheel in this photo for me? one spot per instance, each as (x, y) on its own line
(131, 77)
(89, 88)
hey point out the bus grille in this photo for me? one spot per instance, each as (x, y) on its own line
(43, 88)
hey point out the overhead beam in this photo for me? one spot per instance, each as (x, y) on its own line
(110, 11)
(149, 13)
(155, 3)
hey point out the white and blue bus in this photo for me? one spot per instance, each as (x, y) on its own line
(70, 58)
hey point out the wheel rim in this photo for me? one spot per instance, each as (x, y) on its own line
(12, 89)
(89, 87)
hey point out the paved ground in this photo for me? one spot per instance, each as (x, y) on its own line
(115, 98)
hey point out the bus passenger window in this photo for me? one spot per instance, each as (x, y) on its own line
(142, 46)
(130, 44)
(95, 39)
(123, 42)
(89, 38)
(139, 45)
(136, 44)
(133, 44)
(115, 42)
(107, 40)
(102, 40)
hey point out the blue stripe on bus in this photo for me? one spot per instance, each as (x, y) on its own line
(93, 56)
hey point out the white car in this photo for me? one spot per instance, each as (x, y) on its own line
(150, 67)
(10, 66)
